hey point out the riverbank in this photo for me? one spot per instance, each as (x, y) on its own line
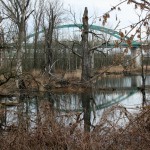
(66, 81)
(39, 121)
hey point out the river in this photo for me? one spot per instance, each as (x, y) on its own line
(69, 107)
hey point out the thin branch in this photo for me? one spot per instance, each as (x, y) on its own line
(18, 5)
(74, 52)
(27, 4)
(29, 15)
(113, 8)
(6, 79)
(72, 49)
(100, 52)
(141, 4)
(95, 48)
(8, 9)
(96, 35)
(146, 2)
(115, 29)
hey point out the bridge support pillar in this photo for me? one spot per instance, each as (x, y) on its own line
(135, 57)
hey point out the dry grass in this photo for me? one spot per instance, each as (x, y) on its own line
(8, 88)
(36, 73)
(51, 134)
(74, 75)
(36, 80)
(116, 69)
(120, 69)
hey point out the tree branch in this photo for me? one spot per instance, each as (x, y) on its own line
(29, 15)
(72, 49)
(95, 48)
(18, 5)
(8, 9)
(74, 52)
(6, 79)
(141, 4)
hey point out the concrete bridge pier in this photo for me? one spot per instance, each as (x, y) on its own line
(135, 57)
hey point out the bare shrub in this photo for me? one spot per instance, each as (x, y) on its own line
(118, 129)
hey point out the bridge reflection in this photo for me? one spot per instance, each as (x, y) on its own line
(90, 104)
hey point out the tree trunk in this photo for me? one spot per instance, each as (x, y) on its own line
(86, 100)
(86, 58)
(37, 26)
(35, 48)
(20, 48)
(49, 39)
(20, 51)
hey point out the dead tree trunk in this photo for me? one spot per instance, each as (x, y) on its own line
(86, 58)
(49, 40)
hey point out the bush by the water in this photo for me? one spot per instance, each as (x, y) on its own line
(49, 132)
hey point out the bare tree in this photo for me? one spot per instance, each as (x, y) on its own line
(37, 15)
(86, 57)
(53, 10)
(18, 12)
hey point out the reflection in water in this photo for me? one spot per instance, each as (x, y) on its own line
(123, 82)
(91, 105)
(86, 99)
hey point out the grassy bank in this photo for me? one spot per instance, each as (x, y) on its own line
(69, 81)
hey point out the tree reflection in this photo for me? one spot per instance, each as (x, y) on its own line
(87, 101)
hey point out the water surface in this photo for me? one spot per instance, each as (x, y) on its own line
(90, 105)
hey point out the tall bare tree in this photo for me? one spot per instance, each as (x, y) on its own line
(18, 12)
(37, 15)
(53, 11)
(86, 57)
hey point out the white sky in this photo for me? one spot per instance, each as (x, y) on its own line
(127, 15)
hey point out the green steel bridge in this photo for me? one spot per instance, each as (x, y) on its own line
(111, 32)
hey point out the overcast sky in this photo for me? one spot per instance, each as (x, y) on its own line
(127, 15)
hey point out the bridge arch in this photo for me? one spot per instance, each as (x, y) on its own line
(93, 27)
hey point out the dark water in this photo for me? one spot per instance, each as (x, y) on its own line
(90, 105)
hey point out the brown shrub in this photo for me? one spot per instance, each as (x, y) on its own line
(108, 134)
